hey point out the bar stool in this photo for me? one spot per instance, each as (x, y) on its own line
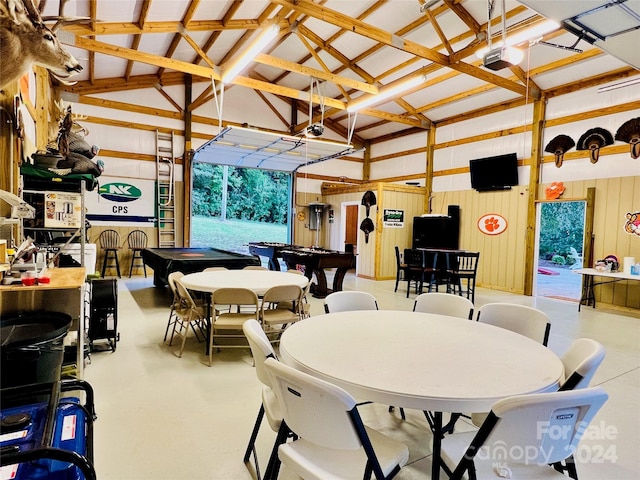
(110, 243)
(137, 241)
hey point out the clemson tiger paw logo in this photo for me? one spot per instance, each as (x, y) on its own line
(492, 224)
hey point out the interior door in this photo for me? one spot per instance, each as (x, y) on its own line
(351, 228)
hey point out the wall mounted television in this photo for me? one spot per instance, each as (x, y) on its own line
(494, 173)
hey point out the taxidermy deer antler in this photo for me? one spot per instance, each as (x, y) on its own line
(58, 115)
(25, 40)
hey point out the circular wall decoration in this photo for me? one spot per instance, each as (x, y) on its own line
(492, 224)
(302, 216)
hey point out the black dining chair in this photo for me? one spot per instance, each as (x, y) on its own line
(401, 268)
(421, 267)
(462, 273)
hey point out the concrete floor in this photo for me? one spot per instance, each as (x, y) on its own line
(163, 417)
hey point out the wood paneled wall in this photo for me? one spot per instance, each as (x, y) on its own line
(501, 264)
(614, 198)
(376, 258)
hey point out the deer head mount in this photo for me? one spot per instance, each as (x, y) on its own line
(25, 41)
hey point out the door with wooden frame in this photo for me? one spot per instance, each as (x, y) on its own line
(351, 228)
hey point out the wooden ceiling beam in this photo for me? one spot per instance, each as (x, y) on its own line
(129, 54)
(335, 18)
(106, 85)
(313, 72)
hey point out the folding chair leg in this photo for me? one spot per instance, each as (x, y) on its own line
(254, 435)
(273, 468)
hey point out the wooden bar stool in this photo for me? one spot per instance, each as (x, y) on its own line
(110, 243)
(137, 241)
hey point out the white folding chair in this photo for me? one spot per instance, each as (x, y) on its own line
(527, 436)
(346, 301)
(444, 304)
(580, 363)
(527, 321)
(261, 349)
(332, 442)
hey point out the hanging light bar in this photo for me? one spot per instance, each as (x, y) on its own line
(615, 86)
(527, 35)
(268, 34)
(368, 100)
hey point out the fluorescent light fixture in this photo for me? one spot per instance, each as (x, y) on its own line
(368, 100)
(428, 5)
(238, 64)
(527, 35)
(614, 86)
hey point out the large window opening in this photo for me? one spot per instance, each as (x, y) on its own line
(232, 206)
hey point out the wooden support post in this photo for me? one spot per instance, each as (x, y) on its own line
(186, 162)
(428, 180)
(537, 131)
(366, 166)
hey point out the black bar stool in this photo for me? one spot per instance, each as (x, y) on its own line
(110, 243)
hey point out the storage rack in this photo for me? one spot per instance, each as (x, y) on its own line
(34, 181)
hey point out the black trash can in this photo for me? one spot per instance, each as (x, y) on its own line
(32, 347)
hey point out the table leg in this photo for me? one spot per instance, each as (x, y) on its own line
(338, 278)
(208, 325)
(437, 442)
(588, 297)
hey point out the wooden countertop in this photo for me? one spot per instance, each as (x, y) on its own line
(61, 278)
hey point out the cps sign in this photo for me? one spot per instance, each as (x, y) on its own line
(121, 200)
(120, 192)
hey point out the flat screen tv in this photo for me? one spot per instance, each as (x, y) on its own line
(494, 173)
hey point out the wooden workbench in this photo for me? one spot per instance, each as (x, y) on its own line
(64, 293)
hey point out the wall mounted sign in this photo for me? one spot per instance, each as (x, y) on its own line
(632, 225)
(492, 224)
(393, 218)
(118, 200)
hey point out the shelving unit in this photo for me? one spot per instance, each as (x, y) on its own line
(66, 290)
(37, 182)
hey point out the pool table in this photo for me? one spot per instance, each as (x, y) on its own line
(163, 261)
